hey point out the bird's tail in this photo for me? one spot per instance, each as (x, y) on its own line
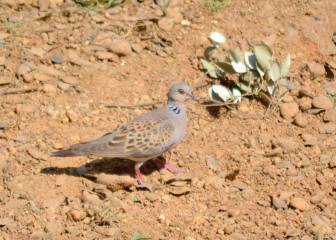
(64, 153)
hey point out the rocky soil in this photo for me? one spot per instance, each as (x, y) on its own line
(67, 72)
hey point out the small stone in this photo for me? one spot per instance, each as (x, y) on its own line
(37, 154)
(166, 24)
(49, 70)
(23, 69)
(301, 121)
(228, 229)
(322, 102)
(185, 23)
(49, 89)
(41, 77)
(309, 140)
(299, 203)
(104, 55)
(121, 47)
(305, 103)
(316, 69)
(289, 110)
(327, 128)
(137, 47)
(70, 80)
(278, 203)
(57, 58)
(77, 215)
(212, 163)
(233, 212)
(72, 115)
(330, 115)
(179, 191)
(63, 86)
(43, 5)
(88, 197)
(288, 145)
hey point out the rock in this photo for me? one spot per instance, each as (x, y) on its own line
(299, 203)
(301, 121)
(179, 191)
(43, 5)
(317, 197)
(278, 203)
(37, 154)
(121, 47)
(309, 140)
(70, 80)
(316, 69)
(332, 162)
(88, 197)
(289, 110)
(305, 103)
(63, 86)
(49, 89)
(77, 215)
(104, 55)
(330, 115)
(327, 128)
(137, 47)
(23, 69)
(185, 23)
(228, 229)
(57, 58)
(72, 115)
(166, 24)
(322, 102)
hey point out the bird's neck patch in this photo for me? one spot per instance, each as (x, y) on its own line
(174, 108)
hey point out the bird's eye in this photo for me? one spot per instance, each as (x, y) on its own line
(181, 91)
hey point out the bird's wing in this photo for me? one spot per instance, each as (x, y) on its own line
(141, 139)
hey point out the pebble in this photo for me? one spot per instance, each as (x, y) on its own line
(41, 77)
(49, 70)
(301, 121)
(63, 86)
(23, 69)
(305, 103)
(316, 69)
(37, 235)
(212, 163)
(69, 80)
(57, 58)
(37, 154)
(299, 203)
(289, 110)
(309, 140)
(166, 24)
(179, 191)
(77, 215)
(137, 47)
(120, 47)
(105, 55)
(88, 197)
(330, 115)
(322, 102)
(288, 145)
(317, 197)
(278, 203)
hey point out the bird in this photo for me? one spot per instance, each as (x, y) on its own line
(144, 138)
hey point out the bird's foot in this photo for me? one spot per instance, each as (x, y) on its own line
(163, 165)
(142, 183)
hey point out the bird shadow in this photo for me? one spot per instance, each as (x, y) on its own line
(105, 165)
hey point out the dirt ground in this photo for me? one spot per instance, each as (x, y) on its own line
(249, 175)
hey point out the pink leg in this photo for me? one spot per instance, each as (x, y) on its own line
(163, 165)
(140, 178)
